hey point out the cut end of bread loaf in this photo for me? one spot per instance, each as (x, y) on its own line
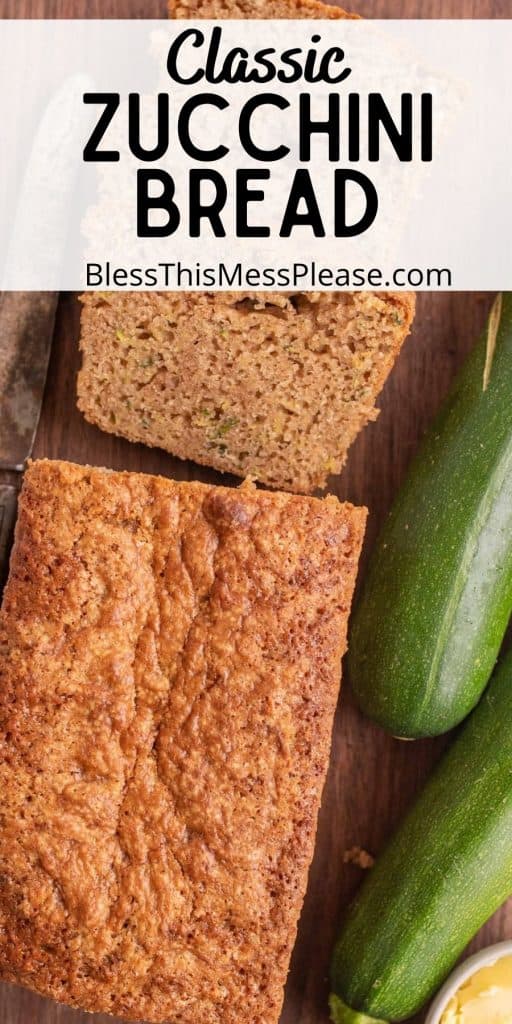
(266, 384)
(254, 9)
(271, 386)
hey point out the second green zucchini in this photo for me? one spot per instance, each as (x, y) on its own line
(438, 595)
(445, 871)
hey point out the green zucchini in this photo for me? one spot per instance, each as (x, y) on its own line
(438, 594)
(446, 870)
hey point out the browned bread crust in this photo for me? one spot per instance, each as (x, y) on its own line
(272, 385)
(255, 9)
(169, 665)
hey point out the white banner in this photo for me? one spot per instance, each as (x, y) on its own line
(256, 154)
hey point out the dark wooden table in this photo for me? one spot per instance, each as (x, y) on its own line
(372, 778)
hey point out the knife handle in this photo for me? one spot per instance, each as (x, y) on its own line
(8, 506)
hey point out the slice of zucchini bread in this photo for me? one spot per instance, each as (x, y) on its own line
(264, 384)
(169, 669)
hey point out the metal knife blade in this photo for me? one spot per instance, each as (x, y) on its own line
(27, 320)
(8, 505)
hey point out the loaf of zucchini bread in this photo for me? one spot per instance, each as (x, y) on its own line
(169, 668)
(271, 385)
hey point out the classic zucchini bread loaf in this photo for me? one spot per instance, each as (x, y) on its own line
(265, 384)
(169, 664)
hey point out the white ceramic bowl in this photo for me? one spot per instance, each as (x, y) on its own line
(483, 958)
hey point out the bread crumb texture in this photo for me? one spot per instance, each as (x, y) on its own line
(361, 858)
(169, 662)
(265, 384)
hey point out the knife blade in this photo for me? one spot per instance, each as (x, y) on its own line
(8, 506)
(27, 318)
(27, 321)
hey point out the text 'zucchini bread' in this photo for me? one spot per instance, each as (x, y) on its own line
(169, 669)
(264, 384)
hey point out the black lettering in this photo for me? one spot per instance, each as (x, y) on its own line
(309, 66)
(234, 68)
(300, 271)
(188, 108)
(329, 127)
(401, 138)
(110, 101)
(246, 195)
(233, 280)
(375, 277)
(325, 277)
(146, 203)
(208, 276)
(289, 62)
(244, 127)
(343, 278)
(426, 126)
(334, 55)
(94, 276)
(211, 211)
(261, 59)
(211, 60)
(354, 130)
(134, 128)
(341, 179)
(302, 191)
(197, 39)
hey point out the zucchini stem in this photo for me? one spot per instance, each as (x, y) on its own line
(343, 1014)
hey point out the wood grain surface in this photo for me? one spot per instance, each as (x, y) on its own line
(372, 777)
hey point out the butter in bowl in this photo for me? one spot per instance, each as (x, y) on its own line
(479, 991)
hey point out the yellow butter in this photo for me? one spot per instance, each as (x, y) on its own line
(485, 998)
